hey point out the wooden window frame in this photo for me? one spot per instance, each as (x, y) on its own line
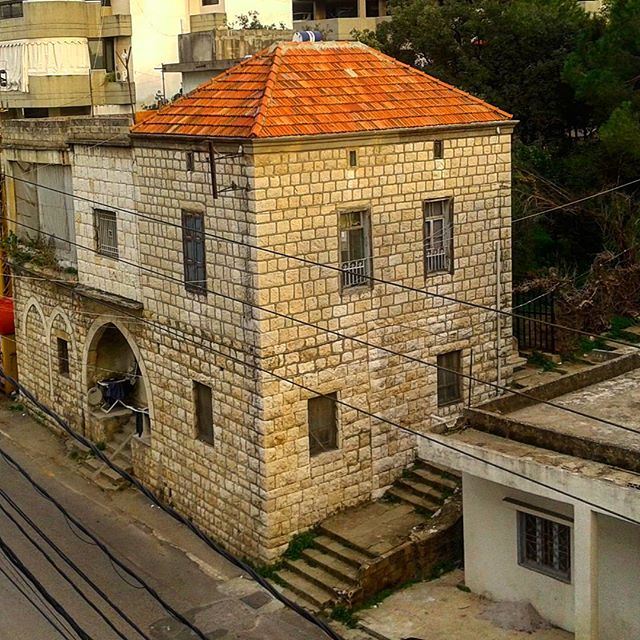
(438, 149)
(350, 281)
(190, 161)
(204, 432)
(445, 369)
(100, 218)
(318, 446)
(429, 220)
(191, 236)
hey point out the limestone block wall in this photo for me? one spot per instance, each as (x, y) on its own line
(300, 190)
(214, 342)
(105, 174)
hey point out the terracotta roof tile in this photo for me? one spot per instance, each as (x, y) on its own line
(293, 89)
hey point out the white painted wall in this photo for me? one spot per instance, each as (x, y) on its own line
(155, 27)
(619, 579)
(269, 11)
(491, 552)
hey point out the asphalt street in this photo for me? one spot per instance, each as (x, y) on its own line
(205, 588)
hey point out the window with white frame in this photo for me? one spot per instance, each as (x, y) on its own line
(438, 235)
(544, 546)
(106, 223)
(355, 249)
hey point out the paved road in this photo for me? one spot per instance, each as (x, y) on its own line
(205, 588)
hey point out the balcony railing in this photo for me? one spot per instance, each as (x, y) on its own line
(437, 259)
(10, 9)
(355, 273)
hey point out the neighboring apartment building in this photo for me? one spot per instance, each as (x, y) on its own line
(551, 500)
(330, 153)
(337, 19)
(70, 57)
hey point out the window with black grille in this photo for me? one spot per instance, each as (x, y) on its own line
(438, 235)
(194, 255)
(449, 379)
(203, 399)
(323, 424)
(355, 249)
(544, 546)
(106, 223)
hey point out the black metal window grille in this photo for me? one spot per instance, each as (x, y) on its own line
(544, 546)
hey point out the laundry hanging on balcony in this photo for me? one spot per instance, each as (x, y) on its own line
(20, 59)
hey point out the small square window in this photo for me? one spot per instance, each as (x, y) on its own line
(323, 424)
(449, 379)
(106, 224)
(203, 400)
(544, 546)
(63, 356)
(438, 149)
(353, 158)
(190, 160)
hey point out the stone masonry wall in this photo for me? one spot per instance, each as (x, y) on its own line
(299, 193)
(105, 175)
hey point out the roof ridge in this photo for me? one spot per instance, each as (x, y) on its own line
(263, 107)
(451, 87)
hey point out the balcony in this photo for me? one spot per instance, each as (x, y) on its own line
(337, 19)
(53, 19)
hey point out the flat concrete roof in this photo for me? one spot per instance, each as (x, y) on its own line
(616, 400)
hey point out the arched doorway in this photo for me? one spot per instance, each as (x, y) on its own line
(117, 390)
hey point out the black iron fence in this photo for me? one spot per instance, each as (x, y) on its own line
(533, 309)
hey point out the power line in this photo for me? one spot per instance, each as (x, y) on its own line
(71, 564)
(365, 277)
(22, 569)
(570, 204)
(362, 342)
(45, 494)
(40, 607)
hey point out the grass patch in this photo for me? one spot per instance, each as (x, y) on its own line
(619, 326)
(101, 446)
(538, 359)
(299, 543)
(461, 586)
(16, 407)
(345, 615)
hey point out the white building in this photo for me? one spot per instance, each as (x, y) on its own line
(552, 501)
(75, 57)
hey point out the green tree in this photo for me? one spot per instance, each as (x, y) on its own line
(510, 52)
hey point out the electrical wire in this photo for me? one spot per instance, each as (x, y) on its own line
(45, 494)
(307, 261)
(493, 385)
(574, 202)
(61, 573)
(8, 552)
(45, 612)
(68, 562)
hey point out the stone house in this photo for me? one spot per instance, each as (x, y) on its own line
(222, 207)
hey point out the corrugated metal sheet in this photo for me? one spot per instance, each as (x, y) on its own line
(293, 89)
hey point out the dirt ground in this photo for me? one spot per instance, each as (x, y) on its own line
(438, 610)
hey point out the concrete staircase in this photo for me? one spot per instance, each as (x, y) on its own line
(118, 450)
(330, 571)
(424, 487)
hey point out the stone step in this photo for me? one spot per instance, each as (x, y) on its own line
(422, 490)
(114, 476)
(312, 593)
(445, 472)
(329, 545)
(413, 499)
(317, 575)
(297, 598)
(329, 563)
(345, 542)
(437, 481)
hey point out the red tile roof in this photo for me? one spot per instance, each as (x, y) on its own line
(295, 89)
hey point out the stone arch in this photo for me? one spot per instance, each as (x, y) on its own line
(110, 351)
(37, 376)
